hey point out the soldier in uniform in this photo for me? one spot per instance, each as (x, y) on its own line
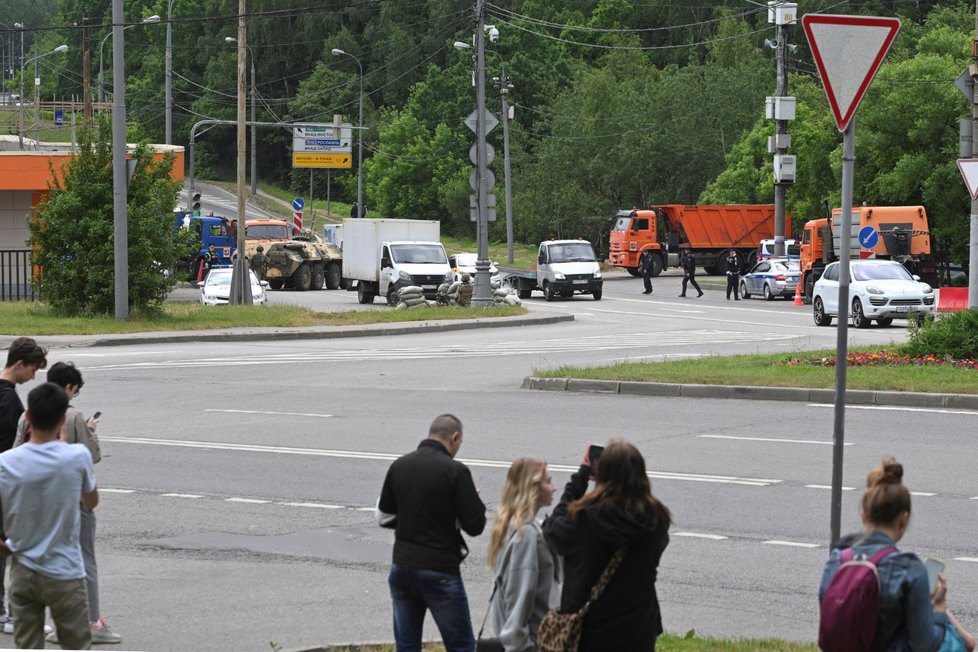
(465, 291)
(259, 263)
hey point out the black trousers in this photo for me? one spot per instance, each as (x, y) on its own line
(733, 280)
(647, 276)
(689, 278)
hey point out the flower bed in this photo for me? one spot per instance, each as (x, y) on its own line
(882, 358)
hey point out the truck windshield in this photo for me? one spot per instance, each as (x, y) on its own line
(267, 232)
(571, 252)
(621, 224)
(419, 253)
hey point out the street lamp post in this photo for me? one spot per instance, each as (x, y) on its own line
(254, 156)
(101, 87)
(169, 73)
(37, 96)
(20, 98)
(360, 210)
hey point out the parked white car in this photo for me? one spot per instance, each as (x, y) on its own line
(465, 264)
(216, 288)
(879, 290)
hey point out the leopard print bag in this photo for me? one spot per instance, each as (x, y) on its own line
(562, 632)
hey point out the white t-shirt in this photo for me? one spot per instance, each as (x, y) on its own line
(40, 488)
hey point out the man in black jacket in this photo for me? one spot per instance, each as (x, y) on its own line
(689, 274)
(648, 268)
(732, 265)
(427, 496)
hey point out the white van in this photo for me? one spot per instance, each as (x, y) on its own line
(765, 250)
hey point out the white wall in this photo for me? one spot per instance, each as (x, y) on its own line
(15, 210)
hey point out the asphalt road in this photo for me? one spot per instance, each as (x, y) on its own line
(238, 478)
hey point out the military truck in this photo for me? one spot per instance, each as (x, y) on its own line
(306, 262)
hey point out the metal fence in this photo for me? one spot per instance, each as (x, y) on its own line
(16, 275)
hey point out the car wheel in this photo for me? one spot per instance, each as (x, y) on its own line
(548, 291)
(364, 296)
(596, 293)
(818, 313)
(392, 298)
(886, 321)
(743, 290)
(858, 316)
(768, 296)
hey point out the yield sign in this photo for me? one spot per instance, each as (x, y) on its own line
(848, 51)
(969, 170)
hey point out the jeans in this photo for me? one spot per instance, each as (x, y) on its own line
(415, 590)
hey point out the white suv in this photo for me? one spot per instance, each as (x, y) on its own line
(879, 290)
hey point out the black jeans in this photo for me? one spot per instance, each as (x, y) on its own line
(689, 278)
(732, 283)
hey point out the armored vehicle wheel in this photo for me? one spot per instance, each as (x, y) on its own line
(302, 278)
(318, 278)
(276, 283)
(334, 276)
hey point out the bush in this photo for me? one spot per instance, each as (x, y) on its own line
(954, 335)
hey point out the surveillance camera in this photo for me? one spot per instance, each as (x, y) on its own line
(493, 34)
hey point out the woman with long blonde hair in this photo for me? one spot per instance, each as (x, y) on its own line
(526, 571)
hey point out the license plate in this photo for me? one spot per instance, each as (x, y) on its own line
(793, 279)
(580, 282)
(902, 309)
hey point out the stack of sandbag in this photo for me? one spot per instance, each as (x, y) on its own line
(410, 296)
(502, 293)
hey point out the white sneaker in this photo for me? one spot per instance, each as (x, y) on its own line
(8, 628)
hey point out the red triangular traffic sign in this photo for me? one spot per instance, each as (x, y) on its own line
(848, 51)
(969, 171)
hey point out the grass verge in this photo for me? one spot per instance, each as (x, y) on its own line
(665, 643)
(37, 319)
(770, 371)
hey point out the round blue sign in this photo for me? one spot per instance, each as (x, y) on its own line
(298, 204)
(868, 237)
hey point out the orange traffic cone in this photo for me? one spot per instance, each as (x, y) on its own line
(798, 301)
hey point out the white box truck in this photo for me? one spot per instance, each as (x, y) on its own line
(380, 256)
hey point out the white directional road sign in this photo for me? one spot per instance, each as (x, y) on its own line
(848, 51)
(322, 146)
(969, 171)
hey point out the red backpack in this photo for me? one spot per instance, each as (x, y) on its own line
(850, 611)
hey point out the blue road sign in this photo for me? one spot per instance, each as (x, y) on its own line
(59, 117)
(868, 237)
(297, 204)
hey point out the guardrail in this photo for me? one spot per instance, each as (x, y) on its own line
(16, 275)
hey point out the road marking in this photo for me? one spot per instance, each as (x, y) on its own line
(102, 490)
(973, 560)
(771, 439)
(827, 486)
(121, 354)
(319, 505)
(793, 544)
(390, 457)
(250, 501)
(698, 535)
(291, 414)
(925, 494)
(182, 495)
(893, 408)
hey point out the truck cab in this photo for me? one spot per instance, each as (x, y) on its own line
(264, 232)
(409, 262)
(207, 230)
(633, 233)
(564, 267)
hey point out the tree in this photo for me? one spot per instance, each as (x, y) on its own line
(72, 230)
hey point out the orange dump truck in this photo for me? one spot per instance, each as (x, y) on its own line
(705, 232)
(902, 234)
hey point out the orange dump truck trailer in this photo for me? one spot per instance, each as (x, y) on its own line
(903, 235)
(707, 233)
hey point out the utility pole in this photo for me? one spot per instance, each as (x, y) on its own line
(482, 292)
(782, 109)
(504, 88)
(240, 278)
(120, 185)
(973, 240)
(87, 66)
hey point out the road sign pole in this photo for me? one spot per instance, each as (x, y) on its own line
(842, 332)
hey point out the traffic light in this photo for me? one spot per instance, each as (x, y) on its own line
(195, 207)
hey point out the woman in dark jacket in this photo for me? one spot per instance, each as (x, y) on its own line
(587, 529)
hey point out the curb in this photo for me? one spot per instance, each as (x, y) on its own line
(301, 333)
(803, 394)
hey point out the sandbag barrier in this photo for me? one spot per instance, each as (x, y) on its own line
(452, 294)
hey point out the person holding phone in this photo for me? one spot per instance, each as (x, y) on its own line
(526, 571)
(912, 615)
(589, 527)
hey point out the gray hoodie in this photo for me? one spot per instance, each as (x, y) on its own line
(527, 573)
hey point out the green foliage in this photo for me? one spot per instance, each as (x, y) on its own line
(954, 335)
(72, 231)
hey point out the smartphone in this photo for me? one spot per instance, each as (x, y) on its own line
(935, 567)
(97, 414)
(593, 453)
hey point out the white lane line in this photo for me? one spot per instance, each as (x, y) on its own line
(894, 408)
(182, 495)
(390, 457)
(291, 414)
(772, 439)
(699, 535)
(793, 544)
(250, 501)
(318, 505)
(973, 560)
(121, 354)
(103, 490)
(366, 509)
(925, 494)
(827, 486)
